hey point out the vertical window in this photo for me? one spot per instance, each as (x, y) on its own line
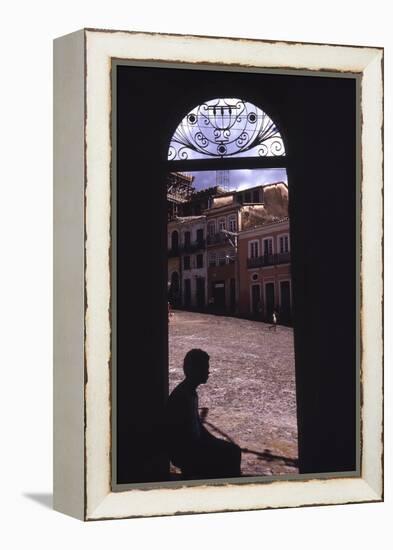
(221, 224)
(175, 241)
(199, 236)
(247, 196)
(211, 228)
(284, 244)
(187, 238)
(232, 223)
(255, 195)
(186, 262)
(268, 246)
(254, 249)
(212, 259)
(199, 260)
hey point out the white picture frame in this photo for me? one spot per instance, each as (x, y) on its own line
(82, 240)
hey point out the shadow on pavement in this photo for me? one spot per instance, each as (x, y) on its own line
(262, 455)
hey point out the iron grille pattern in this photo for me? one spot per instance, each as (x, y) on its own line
(226, 128)
(269, 259)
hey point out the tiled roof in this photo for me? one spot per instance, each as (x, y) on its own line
(265, 225)
(235, 191)
(186, 219)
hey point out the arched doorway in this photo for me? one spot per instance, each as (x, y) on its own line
(316, 150)
(233, 224)
(219, 141)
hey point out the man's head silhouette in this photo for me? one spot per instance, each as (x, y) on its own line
(196, 367)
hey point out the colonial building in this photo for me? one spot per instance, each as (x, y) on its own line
(187, 272)
(272, 201)
(200, 201)
(228, 216)
(265, 271)
(223, 252)
(223, 215)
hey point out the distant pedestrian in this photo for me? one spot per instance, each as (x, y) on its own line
(274, 320)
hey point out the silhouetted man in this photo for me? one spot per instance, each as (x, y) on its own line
(192, 447)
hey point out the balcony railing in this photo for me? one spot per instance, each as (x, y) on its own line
(218, 238)
(187, 248)
(173, 252)
(194, 246)
(269, 259)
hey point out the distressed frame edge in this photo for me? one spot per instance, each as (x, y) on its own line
(371, 273)
(357, 491)
(69, 277)
(371, 484)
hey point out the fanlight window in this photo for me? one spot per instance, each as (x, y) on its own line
(226, 128)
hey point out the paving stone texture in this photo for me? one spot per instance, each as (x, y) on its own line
(250, 395)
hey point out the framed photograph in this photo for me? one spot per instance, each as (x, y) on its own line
(218, 274)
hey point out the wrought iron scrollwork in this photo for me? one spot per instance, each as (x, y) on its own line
(226, 128)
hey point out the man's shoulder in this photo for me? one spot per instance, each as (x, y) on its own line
(182, 390)
(182, 394)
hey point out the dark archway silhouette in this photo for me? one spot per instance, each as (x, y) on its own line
(317, 119)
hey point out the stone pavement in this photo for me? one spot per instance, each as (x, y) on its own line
(250, 395)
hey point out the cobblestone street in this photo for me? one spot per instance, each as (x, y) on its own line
(250, 395)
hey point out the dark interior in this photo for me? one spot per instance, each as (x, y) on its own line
(317, 118)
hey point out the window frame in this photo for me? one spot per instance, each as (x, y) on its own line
(232, 218)
(211, 224)
(188, 257)
(267, 239)
(211, 255)
(196, 261)
(279, 237)
(250, 248)
(220, 222)
(221, 257)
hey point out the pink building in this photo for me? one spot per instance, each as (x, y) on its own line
(265, 272)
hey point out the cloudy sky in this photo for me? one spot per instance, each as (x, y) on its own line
(240, 179)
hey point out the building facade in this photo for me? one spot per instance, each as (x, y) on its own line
(224, 215)
(187, 268)
(229, 215)
(265, 272)
(229, 252)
